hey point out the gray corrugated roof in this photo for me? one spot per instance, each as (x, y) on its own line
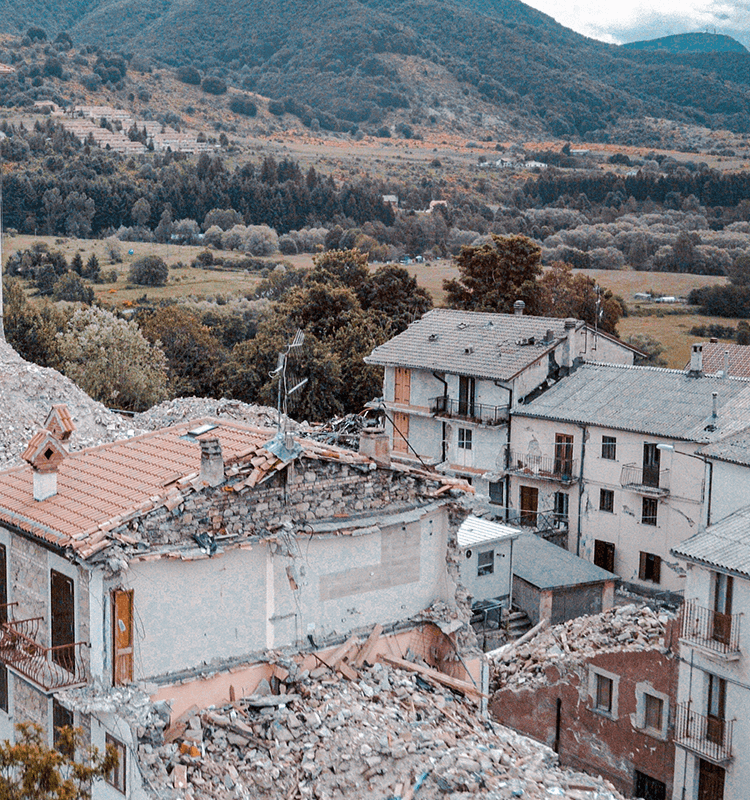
(725, 545)
(475, 530)
(734, 448)
(661, 402)
(547, 566)
(470, 343)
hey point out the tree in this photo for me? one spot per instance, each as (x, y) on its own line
(567, 294)
(214, 85)
(394, 293)
(80, 210)
(92, 270)
(495, 274)
(340, 268)
(141, 211)
(31, 330)
(111, 360)
(30, 770)
(72, 288)
(149, 271)
(653, 349)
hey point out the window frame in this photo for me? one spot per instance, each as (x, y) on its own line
(58, 710)
(596, 675)
(486, 568)
(649, 567)
(609, 448)
(117, 777)
(644, 691)
(650, 518)
(610, 494)
(465, 439)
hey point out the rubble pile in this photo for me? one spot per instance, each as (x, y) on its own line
(341, 431)
(27, 392)
(623, 628)
(387, 734)
(182, 409)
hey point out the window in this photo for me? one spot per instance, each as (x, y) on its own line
(651, 463)
(116, 778)
(603, 700)
(653, 713)
(649, 788)
(609, 447)
(4, 694)
(607, 501)
(122, 637)
(61, 718)
(485, 563)
(722, 617)
(563, 455)
(466, 394)
(716, 708)
(402, 386)
(496, 493)
(648, 516)
(400, 432)
(464, 438)
(650, 568)
(604, 555)
(562, 504)
(63, 619)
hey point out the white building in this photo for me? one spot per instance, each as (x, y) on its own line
(453, 377)
(615, 451)
(712, 720)
(486, 560)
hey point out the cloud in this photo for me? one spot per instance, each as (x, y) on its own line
(631, 20)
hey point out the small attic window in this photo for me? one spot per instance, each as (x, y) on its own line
(462, 325)
(202, 429)
(468, 350)
(48, 453)
(433, 337)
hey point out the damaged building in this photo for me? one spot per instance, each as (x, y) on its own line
(174, 561)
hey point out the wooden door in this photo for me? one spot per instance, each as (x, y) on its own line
(604, 555)
(122, 636)
(529, 505)
(400, 432)
(651, 464)
(63, 625)
(563, 455)
(723, 589)
(3, 585)
(717, 703)
(402, 386)
(466, 396)
(710, 781)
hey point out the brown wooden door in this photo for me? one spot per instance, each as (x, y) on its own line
(529, 505)
(400, 432)
(3, 585)
(122, 637)
(717, 703)
(563, 455)
(402, 386)
(710, 781)
(466, 396)
(723, 589)
(651, 464)
(604, 555)
(63, 625)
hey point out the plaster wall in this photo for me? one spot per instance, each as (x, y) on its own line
(497, 583)
(730, 489)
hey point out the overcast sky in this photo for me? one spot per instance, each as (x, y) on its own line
(620, 21)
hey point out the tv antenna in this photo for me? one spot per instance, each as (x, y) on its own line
(284, 391)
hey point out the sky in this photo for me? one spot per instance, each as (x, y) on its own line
(620, 21)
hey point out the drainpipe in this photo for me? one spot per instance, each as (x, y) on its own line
(507, 451)
(710, 490)
(445, 394)
(584, 434)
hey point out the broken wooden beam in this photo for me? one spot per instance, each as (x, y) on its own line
(366, 650)
(432, 674)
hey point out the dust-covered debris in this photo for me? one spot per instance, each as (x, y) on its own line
(387, 734)
(173, 412)
(27, 393)
(623, 628)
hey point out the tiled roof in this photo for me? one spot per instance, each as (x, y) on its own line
(734, 448)
(471, 343)
(475, 530)
(661, 402)
(547, 566)
(725, 545)
(739, 358)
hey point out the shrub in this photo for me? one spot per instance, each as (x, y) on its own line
(276, 107)
(72, 288)
(149, 271)
(214, 85)
(188, 74)
(244, 106)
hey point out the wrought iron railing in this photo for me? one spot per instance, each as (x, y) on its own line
(48, 667)
(710, 629)
(475, 412)
(707, 736)
(550, 525)
(564, 470)
(645, 480)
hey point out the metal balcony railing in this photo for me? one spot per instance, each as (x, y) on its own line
(49, 667)
(707, 736)
(550, 525)
(644, 480)
(564, 470)
(710, 629)
(474, 412)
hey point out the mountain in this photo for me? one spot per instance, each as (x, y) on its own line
(494, 65)
(690, 43)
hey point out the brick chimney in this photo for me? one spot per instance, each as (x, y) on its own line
(374, 444)
(518, 308)
(45, 452)
(59, 422)
(212, 462)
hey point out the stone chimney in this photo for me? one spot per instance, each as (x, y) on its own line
(518, 308)
(726, 363)
(374, 444)
(568, 348)
(696, 360)
(45, 452)
(212, 462)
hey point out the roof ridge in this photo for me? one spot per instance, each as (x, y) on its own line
(666, 370)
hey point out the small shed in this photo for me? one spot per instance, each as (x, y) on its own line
(486, 565)
(552, 583)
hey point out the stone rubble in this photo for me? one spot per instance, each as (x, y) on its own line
(623, 628)
(389, 734)
(27, 392)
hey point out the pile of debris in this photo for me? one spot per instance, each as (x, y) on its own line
(182, 409)
(387, 733)
(341, 431)
(27, 392)
(623, 628)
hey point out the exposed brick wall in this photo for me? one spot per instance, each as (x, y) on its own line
(307, 491)
(591, 741)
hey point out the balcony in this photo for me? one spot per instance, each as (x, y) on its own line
(50, 668)
(709, 737)
(645, 481)
(711, 630)
(472, 412)
(550, 525)
(562, 470)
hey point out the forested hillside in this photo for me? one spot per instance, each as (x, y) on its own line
(690, 43)
(341, 63)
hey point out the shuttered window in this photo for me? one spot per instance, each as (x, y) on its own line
(122, 637)
(402, 386)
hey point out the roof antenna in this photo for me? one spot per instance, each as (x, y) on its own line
(282, 444)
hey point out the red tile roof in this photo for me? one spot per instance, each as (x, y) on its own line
(739, 358)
